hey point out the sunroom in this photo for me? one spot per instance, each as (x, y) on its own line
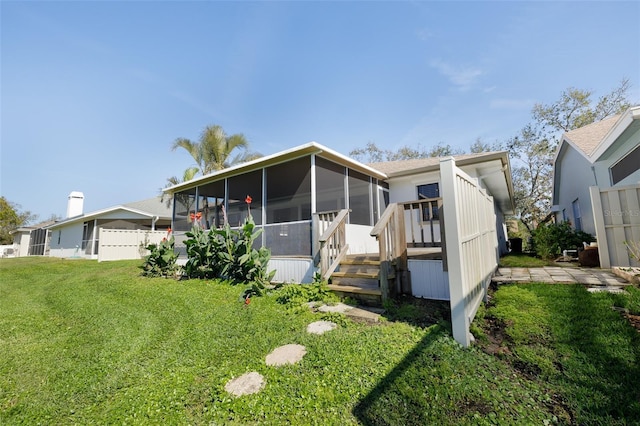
(293, 196)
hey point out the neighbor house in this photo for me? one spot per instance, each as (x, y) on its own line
(373, 230)
(32, 240)
(596, 183)
(113, 233)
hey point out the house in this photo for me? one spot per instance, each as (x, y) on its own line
(432, 227)
(596, 183)
(113, 233)
(32, 240)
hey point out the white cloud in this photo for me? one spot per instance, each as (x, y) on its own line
(462, 77)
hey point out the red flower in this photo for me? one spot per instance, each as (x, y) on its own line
(247, 301)
(168, 230)
(248, 199)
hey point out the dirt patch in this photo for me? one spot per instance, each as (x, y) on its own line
(634, 320)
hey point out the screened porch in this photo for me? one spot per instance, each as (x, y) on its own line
(285, 195)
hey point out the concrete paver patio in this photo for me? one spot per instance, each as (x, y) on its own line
(560, 275)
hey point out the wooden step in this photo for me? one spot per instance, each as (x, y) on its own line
(355, 274)
(355, 290)
(359, 260)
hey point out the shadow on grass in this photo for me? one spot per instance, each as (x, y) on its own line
(388, 403)
(601, 360)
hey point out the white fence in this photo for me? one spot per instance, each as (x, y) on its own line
(120, 244)
(471, 243)
(616, 215)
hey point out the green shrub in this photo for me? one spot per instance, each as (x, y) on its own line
(298, 294)
(161, 260)
(202, 253)
(229, 254)
(550, 239)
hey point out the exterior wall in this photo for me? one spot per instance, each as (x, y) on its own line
(21, 241)
(574, 176)
(66, 241)
(602, 166)
(428, 280)
(292, 270)
(360, 240)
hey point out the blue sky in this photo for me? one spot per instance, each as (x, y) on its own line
(93, 94)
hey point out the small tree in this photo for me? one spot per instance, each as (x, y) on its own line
(11, 218)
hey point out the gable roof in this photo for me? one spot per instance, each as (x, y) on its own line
(586, 139)
(149, 208)
(493, 168)
(593, 140)
(30, 228)
(407, 167)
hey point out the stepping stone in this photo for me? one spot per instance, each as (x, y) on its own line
(287, 354)
(246, 384)
(608, 289)
(321, 327)
(340, 308)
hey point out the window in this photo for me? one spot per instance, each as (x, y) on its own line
(626, 166)
(577, 217)
(430, 190)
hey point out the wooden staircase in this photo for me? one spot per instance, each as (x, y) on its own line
(358, 277)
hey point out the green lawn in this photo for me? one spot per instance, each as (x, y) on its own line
(94, 343)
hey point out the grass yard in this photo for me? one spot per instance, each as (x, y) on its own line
(86, 342)
(523, 260)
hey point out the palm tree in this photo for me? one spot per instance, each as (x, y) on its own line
(213, 151)
(188, 174)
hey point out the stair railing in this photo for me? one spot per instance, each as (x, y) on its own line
(392, 247)
(333, 241)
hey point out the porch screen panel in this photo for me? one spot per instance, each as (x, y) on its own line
(288, 205)
(359, 198)
(289, 239)
(210, 202)
(184, 206)
(247, 184)
(289, 191)
(330, 178)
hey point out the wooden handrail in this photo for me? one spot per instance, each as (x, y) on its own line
(333, 243)
(384, 220)
(340, 218)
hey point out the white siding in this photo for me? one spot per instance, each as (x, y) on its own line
(428, 280)
(360, 240)
(574, 176)
(292, 270)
